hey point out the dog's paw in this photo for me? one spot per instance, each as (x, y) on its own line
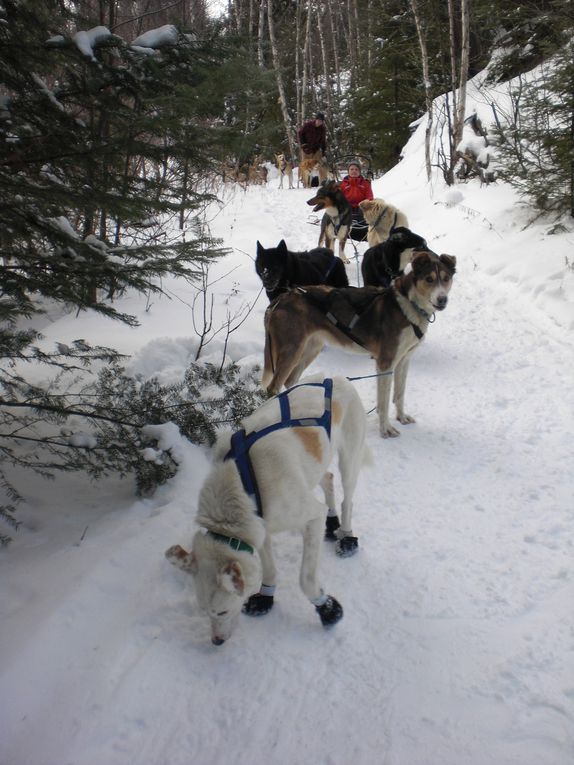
(180, 558)
(405, 419)
(258, 605)
(347, 546)
(331, 526)
(330, 612)
(387, 431)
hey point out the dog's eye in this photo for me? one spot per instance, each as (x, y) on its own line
(445, 278)
(429, 279)
(222, 613)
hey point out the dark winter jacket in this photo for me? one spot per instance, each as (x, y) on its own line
(312, 138)
(356, 189)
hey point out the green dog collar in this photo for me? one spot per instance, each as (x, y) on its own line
(233, 542)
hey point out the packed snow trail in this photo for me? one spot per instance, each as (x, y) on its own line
(456, 647)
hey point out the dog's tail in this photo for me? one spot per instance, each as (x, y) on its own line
(268, 363)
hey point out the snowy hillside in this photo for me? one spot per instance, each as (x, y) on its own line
(457, 644)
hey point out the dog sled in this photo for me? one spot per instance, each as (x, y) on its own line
(338, 166)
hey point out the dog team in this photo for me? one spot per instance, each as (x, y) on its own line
(263, 477)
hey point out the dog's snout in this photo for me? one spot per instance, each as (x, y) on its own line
(217, 640)
(441, 302)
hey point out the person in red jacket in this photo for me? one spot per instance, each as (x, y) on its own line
(356, 188)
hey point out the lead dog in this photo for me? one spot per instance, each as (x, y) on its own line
(232, 557)
(279, 269)
(388, 324)
(337, 219)
(285, 170)
(382, 217)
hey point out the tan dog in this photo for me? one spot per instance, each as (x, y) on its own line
(285, 170)
(387, 324)
(312, 163)
(381, 217)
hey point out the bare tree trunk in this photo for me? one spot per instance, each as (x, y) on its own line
(260, 34)
(356, 31)
(369, 34)
(334, 42)
(306, 65)
(458, 82)
(279, 79)
(298, 87)
(352, 43)
(427, 85)
(326, 73)
(464, 58)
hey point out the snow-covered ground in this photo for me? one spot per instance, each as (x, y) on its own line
(457, 644)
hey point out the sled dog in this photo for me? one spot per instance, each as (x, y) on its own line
(285, 168)
(382, 217)
(288, 444)
(313, 165)
(279, 269)
(387, 260)
(337, 218)
(388, 324)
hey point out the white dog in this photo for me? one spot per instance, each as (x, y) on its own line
(289, 442)
(382, 217)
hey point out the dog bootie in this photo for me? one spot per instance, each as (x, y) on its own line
(331, 526)
(258, 605)
(347, 546)
(330, 612)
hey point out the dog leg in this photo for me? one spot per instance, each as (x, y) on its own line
(383, 401)
(262, 602)
(399, 392)
(332, 520)
(349, 465)
(342, 255)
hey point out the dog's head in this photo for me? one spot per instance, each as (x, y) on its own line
(223, 578)
(432, 278)
(270, 264)
(327, 195)
(407, 239)
(372, 208)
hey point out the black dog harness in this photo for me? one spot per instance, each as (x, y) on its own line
(242, 442)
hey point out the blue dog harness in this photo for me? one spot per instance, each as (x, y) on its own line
(242, 442)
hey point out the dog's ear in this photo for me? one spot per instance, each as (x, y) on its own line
(418, 261)
(260, 249)
(366, 204)
(231, 578)
(182, 559)
(449, 261)
(282, 247)
(398, 234)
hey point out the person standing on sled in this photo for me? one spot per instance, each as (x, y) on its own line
(356, 188)
(312, 137)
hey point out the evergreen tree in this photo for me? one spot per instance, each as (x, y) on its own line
(102, 142)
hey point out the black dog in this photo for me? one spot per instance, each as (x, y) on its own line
(279, 269)
(387, 260)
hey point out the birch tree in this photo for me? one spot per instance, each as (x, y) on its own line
(279, 79)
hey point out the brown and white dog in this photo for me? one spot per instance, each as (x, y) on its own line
(382, 217)
(310, 164)
(285, 168)
(231, 559)
(388, 324)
